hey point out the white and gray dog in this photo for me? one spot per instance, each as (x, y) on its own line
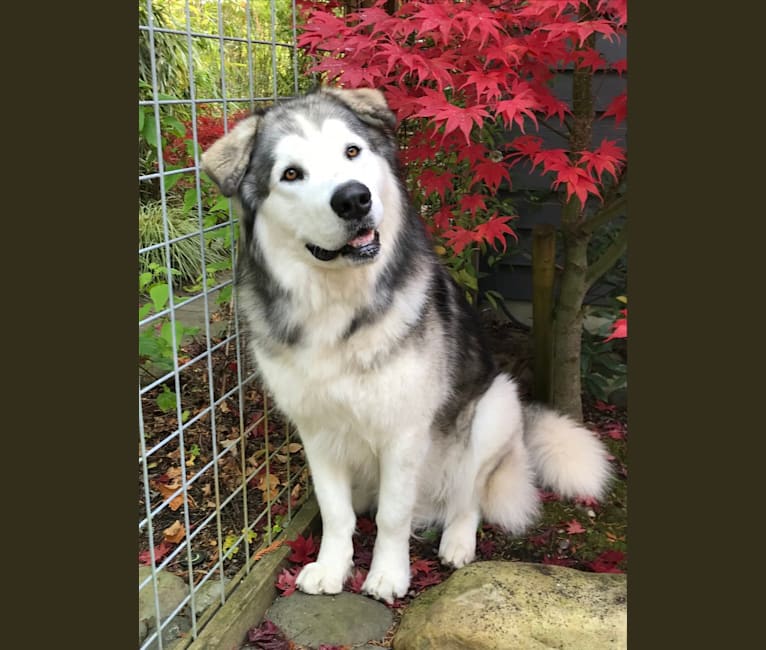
(372, 351)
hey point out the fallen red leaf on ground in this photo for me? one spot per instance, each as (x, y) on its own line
(607, 562)
(422, 566)
(160, 551)
(286, 580)
(267, 636)
(304, 550)
(574, 527)
(355, 582)
(365, 526)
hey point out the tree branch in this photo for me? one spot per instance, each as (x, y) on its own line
(605, 214)
(608, 258)
(559, 133)
(614, 187)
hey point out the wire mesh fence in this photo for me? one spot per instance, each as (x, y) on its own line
(219, 473)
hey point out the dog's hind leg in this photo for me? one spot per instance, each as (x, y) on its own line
(458, 542)
(509, 496)
(495, 429)
(494, 477)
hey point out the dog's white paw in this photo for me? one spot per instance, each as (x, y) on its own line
(457, 548)
(387, 585)
(319, 578)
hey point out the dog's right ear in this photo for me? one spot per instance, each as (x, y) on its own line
(226, 160)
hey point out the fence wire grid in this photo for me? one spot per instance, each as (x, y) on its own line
(219, 472)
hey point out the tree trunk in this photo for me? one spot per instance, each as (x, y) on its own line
(567, 385)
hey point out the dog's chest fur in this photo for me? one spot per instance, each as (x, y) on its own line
(370, 383)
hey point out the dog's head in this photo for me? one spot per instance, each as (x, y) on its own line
(319, 168)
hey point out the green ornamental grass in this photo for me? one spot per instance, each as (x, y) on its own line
(185, 254)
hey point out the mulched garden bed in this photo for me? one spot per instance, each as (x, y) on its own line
(581, 534)
(278, 478)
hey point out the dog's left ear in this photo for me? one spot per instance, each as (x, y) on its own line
(368, 103)
(225, 161)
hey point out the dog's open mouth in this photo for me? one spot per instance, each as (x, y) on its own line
(365, 245)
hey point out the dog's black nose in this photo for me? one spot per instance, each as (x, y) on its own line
(351, 200)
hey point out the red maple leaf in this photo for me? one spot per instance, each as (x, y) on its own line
(604, 407)
(491, 174)
(430, 181)
(526, 145)
(286, 580)
(552, 160)
(606, 158)
(618, 107)
(577, 181)
(521, 105)
(487, 84)
(588, 502)
(356, 580)
(486, 548)
(423, 580)
(267, 636)
(370, 16)
(616, 8)
(321, 27)
(554, 7)
(546, 496)
(508, 54)
(494, 229)
(473, 153)
(443, 218)
(365, 526)
(574, 527)
(615, 431)
(619, 66)
(420, 565)
(542, 539)
(472, 202)
(590, 58)
(581, 29)
(607, 562)
(454, 117)
(160, 551)
(458, 238)
(619, 327)
(304, 550)
(434, 19)
(482, 19)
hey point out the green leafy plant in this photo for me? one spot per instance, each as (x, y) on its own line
(185, 254)
(155, 341)
(602, 358)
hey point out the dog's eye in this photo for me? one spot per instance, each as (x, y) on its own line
(292, 174)
(352, 151)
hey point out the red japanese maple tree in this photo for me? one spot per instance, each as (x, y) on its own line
(471, 83)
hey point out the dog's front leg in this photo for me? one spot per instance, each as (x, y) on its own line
(332, 484)
(389, 576)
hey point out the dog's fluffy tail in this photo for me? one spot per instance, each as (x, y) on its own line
(567, 457)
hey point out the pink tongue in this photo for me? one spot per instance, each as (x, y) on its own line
(362, 240)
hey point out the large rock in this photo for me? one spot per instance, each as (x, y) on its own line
(345, 619)
(518, 606)
(171, 590)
